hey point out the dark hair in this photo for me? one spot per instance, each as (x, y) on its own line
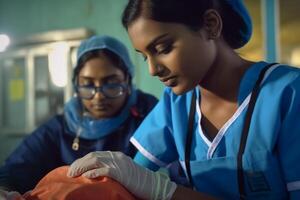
(188, 13)
(114, 58)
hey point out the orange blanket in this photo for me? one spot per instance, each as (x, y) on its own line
(57, 186)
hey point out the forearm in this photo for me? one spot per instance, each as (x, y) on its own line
(183, 193)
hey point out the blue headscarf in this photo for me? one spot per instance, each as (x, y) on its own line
(85, 126)
(109, 43)
(78, 119)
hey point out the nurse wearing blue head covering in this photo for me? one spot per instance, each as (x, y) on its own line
(103, 115)
(233, 124)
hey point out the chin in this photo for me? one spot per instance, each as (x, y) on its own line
(181, 89)
(101, 115)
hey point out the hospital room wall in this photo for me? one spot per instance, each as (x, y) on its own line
(20, 19)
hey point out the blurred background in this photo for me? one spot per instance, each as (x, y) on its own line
(39, 38)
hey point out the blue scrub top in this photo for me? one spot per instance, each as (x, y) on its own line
(271, 159)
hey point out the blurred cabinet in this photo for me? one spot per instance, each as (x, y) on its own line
(13, 92)
(49, 98)
(35, 82)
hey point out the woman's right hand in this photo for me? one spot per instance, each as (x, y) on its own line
(12, 195)
(140, 181)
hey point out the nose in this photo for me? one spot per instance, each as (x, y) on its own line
(98, 95)
(154, 68)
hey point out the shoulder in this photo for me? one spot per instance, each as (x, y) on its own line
(283, 86)
(290, 78)
(48, 135)
(145, 102)
(146, 97)
(53, 126)
(56, 122)
(284, 77)
(286, 72)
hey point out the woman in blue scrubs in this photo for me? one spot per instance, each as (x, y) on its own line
(103, 115)
(233, 124)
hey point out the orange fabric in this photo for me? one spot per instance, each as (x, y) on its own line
(57, 186)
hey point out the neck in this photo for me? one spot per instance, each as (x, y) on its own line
(223, 79)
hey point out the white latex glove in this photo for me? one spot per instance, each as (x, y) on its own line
(140, 181)
(13, 195)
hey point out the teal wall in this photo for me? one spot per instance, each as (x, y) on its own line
(21, 18)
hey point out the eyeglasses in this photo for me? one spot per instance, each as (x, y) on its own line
(111, 91)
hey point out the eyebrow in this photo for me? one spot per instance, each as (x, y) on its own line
(154, 41)
(106, 78)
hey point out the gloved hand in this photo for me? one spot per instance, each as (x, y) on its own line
(13, 195)
(140, 181)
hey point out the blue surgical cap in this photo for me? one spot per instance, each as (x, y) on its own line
(109, 43)
(246, 30)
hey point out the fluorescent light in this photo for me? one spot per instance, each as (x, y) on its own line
(58, 64)
(4, 42)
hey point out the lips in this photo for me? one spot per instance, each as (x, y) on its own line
(100, 106)
(169, 81)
